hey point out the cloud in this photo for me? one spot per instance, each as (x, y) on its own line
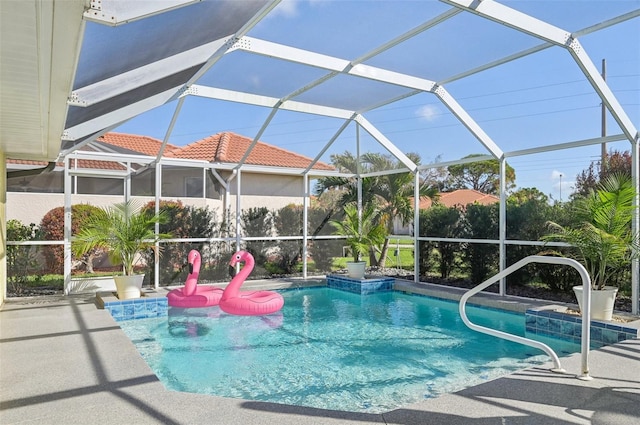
(286, 8)
(428, 112)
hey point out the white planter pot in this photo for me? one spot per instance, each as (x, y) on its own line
(355, 270)
(129, 286)
(602, 301)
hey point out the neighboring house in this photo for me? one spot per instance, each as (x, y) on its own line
(458, 198)
(33, 188)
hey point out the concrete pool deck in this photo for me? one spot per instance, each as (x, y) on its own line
(64, 361)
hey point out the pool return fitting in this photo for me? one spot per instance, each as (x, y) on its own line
(586, 311)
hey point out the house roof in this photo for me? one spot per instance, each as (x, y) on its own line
(225, 147)
(137, 144)
(461, 197)
(230, 147)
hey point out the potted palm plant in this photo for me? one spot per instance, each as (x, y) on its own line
(125, 231)
(363, 231)
(602, 238)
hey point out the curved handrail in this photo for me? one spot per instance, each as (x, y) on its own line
(586, 307)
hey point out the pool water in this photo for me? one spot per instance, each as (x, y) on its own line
(333, 349)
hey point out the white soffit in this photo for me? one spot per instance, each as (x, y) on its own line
(39, 46)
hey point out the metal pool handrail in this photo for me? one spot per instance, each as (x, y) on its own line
(586, 311)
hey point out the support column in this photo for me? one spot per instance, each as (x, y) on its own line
(67, 225)
(158, 196)
(305, 224)
(635, 224)
(503, 222)
(238, 207)
(416, 228)
(3, 228)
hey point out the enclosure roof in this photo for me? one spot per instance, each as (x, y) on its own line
(74, 70)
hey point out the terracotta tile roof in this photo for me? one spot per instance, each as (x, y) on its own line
(82, 163)
(461, 197)
(28, 162)
(223, 147)
(229, 147)
(133, 142)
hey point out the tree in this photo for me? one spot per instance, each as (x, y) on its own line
(288, 221)
(257, 222)
(443, 222)
(390, 193)
(21, 260)
(363, 231)
(52, 228)
(615, 162)
(483, 176)
(603, 238)
(394, 193)
(528, 210)
(481, 222)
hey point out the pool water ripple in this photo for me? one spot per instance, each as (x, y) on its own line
(332, 349)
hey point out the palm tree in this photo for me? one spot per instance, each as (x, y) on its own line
(603, 238)
(363, 231)
(390, 193)
(124, 230)
(394, 193)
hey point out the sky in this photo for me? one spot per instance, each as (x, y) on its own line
(538, 100)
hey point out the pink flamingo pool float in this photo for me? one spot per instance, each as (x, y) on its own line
(192, 295)
(247, 303)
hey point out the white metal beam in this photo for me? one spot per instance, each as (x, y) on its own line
(89, 127)
(467, 121)
(333, 64)
(329, 143)
(127, 81)
(117, 12)
(512, 18)
(266, 101)
(568, 145)
(382, 139)
(455, 162)
(522, 22)
(600, 86)
(232, 41)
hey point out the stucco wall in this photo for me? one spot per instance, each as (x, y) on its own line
(270, 185)
(259, 190)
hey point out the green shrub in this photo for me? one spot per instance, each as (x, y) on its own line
(21, 260)
(52, 229)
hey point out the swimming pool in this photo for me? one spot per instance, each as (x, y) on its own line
(333, 349)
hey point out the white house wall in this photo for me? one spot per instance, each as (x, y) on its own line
(259, 190)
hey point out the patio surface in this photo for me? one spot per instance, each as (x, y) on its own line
(63, 361)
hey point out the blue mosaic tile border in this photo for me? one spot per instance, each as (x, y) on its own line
(569, 328)
(360, 286)
(139, 308)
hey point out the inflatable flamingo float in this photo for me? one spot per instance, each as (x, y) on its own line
(191, 295)
(247, 303)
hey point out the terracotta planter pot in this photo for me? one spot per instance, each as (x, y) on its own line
(602, 301)
(129, 287)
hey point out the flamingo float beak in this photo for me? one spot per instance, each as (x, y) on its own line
(190, 267)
